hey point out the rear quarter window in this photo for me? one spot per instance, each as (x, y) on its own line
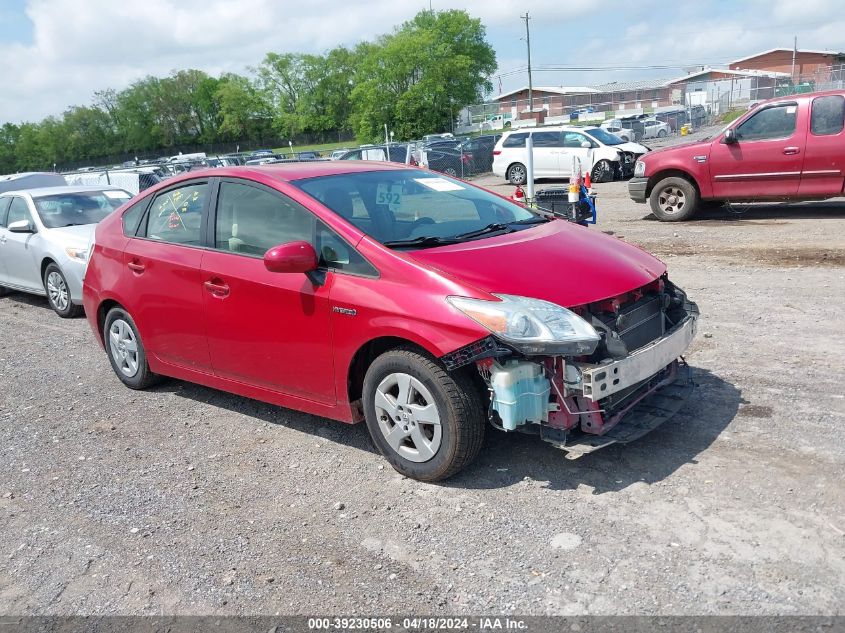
(828, 115)
(132, 217)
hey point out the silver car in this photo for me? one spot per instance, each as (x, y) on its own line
(44, 238)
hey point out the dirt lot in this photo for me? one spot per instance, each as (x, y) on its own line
(191, 501)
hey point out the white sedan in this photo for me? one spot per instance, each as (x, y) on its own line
(652, 128)
(44, 240)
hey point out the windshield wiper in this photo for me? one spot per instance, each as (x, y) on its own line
(423, 240)
(498, 226)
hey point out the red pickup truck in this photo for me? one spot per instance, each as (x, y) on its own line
(789, 148)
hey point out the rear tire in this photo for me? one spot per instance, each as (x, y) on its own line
(517, 174)
(58, 294)
(661, 134)
(126, 351)
(674, 200)
(428, 423)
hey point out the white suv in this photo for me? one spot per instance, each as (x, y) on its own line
(602, 155)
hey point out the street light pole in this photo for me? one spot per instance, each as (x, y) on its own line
(526, 17)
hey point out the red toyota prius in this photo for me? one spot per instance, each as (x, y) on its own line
(375, 292)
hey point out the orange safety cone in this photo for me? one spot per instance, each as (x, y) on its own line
(518, 195)
(587, 183)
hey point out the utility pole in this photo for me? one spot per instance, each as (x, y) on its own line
(794, 53)
(528, 43)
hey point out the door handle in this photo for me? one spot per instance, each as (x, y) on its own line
(136, 267)
(791, 150)
(217, 287)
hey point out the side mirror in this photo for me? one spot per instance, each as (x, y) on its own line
(21, 226)
(586, 144)
(730, 136)
(293, 257)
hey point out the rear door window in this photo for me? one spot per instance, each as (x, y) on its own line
(175, 215)
(828, 116)
(769, 123)
(546, 139)
(515, 140)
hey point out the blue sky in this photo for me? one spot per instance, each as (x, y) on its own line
(57, 53)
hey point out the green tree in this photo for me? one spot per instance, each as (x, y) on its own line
(416, 79)
(244, 111)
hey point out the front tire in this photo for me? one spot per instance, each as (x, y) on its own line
(126, 351)
(602, 171)
(661, 134)
(58, 294)
(674, 200)
(451, 171)
(428, 423)
(517, 174)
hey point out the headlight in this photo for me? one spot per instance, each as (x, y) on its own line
(639, 169)
(79, 254)
(530, 325)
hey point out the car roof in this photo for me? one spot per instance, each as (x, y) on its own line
(552, 128)
(52, 191)
(287, 172)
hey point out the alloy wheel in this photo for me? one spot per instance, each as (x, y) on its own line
(518, 175)
(124, 347)
(672, 200)
(57, 291)
(408, 417)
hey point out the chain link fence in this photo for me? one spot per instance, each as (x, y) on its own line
(693, 104)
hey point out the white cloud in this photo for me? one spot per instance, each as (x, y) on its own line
(79, 47)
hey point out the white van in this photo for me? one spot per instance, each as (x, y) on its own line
(602, 155)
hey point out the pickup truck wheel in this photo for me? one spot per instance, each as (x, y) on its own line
(673, 200)
(602, 171)
(517, 174)
(427, 422)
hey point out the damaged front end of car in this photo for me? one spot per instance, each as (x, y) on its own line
(585, 377)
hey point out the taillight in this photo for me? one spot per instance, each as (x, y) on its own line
(496, 152)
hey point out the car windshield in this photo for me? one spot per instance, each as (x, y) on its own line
(604, 137)
(77, 208)
(413, 208)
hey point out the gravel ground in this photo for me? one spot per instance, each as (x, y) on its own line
(186, 500)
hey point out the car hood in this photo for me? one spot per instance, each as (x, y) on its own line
(558, 261)
(690, 145)
(72, 235)
(634, 148)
